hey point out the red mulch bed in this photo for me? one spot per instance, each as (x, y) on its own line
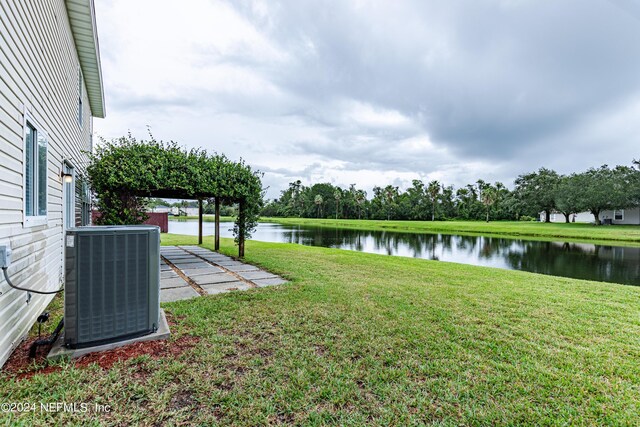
(21, 366)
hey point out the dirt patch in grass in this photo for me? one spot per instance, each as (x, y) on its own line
(21, 366)
(182, 399)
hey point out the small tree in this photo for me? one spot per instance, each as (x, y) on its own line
(567, 196)
(537, 190)
(595, 191)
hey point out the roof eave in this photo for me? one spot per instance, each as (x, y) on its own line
(82, 19)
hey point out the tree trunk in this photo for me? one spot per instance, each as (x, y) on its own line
(596, 215)
(487, 213)
(217, 238)
(566, 217)
(433, 211)
(547, 214)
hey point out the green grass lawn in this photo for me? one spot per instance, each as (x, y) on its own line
(573, 231)
(359, 339)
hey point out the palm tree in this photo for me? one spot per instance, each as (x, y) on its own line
(434, 191)
(318, 200)
(489, 197)
(337, 195)
(361, 197)
(390, 193)
(295, 195)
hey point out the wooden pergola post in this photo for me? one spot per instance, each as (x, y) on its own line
(200, 212)
(241, 230)
(217, 231)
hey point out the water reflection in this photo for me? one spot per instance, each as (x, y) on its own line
(578, 260)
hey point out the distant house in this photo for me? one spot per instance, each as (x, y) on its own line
(50, 89)
(162, 209)
(191, 211)
(629, 216)
(181, 211)
(175, 210)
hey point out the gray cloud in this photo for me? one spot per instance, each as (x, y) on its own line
(484, 78)
(452, 90)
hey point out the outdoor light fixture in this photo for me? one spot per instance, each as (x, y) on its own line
(67, 178)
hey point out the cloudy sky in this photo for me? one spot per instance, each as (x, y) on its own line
(378, 92)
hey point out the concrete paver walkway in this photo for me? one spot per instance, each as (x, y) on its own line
(190, 271)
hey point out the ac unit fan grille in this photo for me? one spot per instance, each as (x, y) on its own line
(116, 301)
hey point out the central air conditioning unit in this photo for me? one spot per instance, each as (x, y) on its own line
(112, 289)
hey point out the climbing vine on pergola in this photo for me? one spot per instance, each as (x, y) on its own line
(124, 171)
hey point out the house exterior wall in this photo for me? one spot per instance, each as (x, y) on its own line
(631, 216)
(192, 211)
(39, 78)
(584, 217)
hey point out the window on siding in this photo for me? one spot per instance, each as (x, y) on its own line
(80, 97)
(35, 172)
(86, 204)
(618, 215)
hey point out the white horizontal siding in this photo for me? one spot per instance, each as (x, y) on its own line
(631, 216)
(38, 72)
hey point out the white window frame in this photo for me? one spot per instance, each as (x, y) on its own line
(85, 206)
(33, 220)
(621, 214)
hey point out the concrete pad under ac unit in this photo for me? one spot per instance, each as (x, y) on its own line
(59, 351)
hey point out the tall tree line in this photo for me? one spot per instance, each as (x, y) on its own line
(544, 190)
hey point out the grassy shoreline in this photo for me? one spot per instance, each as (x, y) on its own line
(627, 234)
(360, 338)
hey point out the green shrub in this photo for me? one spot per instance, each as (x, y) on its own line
(124, 172)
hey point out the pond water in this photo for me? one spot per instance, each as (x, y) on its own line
(603, 263)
